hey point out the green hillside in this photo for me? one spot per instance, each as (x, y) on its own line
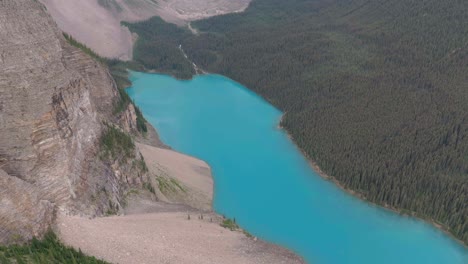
(376, 92)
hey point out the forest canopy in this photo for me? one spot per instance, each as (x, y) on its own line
(375, 92)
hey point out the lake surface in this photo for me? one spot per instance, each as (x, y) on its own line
(263, 181)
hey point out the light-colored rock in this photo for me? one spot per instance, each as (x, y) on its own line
(128, 119)
(93, 25)
(96, 23)
(23, 213)
(180, 178)
(168, 237)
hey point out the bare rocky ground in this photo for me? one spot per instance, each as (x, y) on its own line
(167, 237)
(180, 178)
(92, 25)
(190, 10)
(176, 226)
(96, 23)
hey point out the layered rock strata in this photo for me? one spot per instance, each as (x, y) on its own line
(55, 104)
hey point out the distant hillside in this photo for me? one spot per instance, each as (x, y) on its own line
(96, 23)
(376, 92)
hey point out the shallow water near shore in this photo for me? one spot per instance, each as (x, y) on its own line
(263, 181)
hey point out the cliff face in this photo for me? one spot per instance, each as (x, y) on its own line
(54, 100)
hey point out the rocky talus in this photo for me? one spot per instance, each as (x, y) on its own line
(55, 104)
(96, 23)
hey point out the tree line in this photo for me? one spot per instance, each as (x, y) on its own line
(375, 92)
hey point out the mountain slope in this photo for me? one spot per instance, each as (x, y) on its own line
(96, 23)
(56, 108)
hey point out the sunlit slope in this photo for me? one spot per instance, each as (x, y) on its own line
(96, 23)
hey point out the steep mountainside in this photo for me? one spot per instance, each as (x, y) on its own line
(375, 92)
(56, 108)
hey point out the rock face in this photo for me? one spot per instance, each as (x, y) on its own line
(36, 214)
(54, 100)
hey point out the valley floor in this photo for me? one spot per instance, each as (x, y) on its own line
(167, 237)
(161, 231)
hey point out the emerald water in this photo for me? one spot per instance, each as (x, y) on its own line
(263, 181)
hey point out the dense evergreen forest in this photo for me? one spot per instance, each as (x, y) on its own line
(375, 92)
(157, 47)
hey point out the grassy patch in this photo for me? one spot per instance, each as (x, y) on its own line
(177, 184)
(169, 185)
(141, 122)
(149, 187)
(247, 234)
(45, 251)
(233, 226)
(116, 145)
(230, 224)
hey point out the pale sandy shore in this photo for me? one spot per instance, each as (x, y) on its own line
(160, 231)
(167, 238)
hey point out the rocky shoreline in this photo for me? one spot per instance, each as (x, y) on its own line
(175, 225)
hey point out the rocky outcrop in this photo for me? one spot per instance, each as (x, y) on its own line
(128, 119)
(54, 101)
(25, 214)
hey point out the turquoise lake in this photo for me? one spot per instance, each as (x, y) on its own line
(263, 181)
